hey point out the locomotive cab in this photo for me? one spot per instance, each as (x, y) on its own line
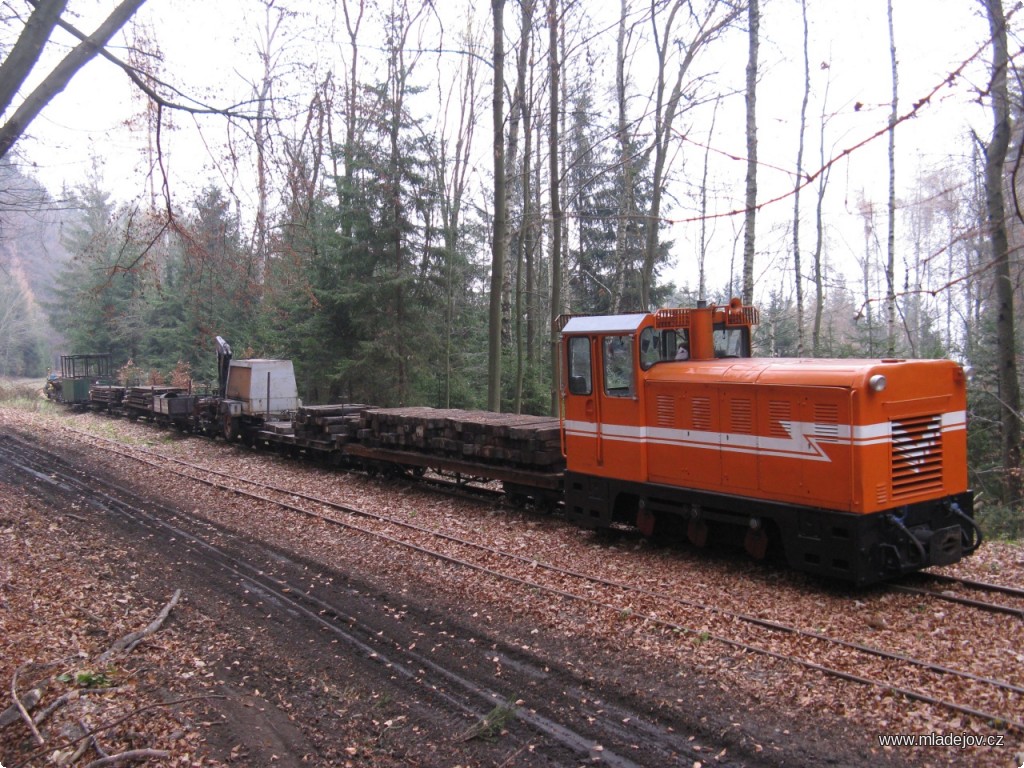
(857, 468)
(604, 400)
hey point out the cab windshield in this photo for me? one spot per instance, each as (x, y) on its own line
(659, 345)
(731, 342)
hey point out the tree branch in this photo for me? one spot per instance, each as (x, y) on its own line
(145, 83)
(61, 75)
(26, 51)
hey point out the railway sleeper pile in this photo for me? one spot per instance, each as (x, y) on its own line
(141, 398)
(332, 425)
(494, 438)
(108, 395)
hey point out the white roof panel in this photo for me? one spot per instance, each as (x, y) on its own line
(604, 324)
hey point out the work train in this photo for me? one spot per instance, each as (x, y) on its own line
(853, 469)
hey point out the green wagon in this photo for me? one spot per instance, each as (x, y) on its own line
(79, 372)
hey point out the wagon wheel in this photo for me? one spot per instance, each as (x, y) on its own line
(230, 429)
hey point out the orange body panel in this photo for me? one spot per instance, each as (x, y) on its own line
(814, 433)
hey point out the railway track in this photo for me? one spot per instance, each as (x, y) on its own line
(652, 611)
(610, 732)
(977, 587)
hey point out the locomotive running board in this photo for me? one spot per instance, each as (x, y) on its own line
(546, 480)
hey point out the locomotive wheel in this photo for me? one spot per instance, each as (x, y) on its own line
(697, 533)
(230, 429)
(646, 522)
(756, 543)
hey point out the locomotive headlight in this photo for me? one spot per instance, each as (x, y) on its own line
(877, 382)
(968, 372)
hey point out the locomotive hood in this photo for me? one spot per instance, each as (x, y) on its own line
(913, 376)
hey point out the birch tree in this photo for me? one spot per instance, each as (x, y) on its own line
(890, 262)
(750, 214)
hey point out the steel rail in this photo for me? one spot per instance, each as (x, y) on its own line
(650, 618)
(983, 605)
(322, 613)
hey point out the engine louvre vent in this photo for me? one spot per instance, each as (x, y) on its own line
(780, 415)
(916, 456)
(702, 413)
(826, 420)
(742, 416)
(666, 411)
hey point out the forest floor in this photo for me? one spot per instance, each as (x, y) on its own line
(408, 662)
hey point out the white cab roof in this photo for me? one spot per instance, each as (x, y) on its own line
(604, 324)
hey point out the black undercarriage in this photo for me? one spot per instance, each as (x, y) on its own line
(858, 548)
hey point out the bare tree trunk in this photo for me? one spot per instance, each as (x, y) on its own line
(498, 234)
(400, 23)
(627, 203)
(995, 158)
(754, 21)
(520, 112)
(536, 317)
(452, 177)
(716, 19)
(517, 115)
(890, 263)
(702, 283)
(261, 135)
(345, 196)
(556, 205)
(523, 262)
(819, 244)
(798, 277)
(867, 211)
(563, 274)
(664, 116)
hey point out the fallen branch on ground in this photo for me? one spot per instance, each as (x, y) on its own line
(131, 640)
(21, 707)
(129, 757)
(13, 713)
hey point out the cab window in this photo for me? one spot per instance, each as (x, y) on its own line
(657, 345)
(580, 382)
(731, 342)
(618, 365)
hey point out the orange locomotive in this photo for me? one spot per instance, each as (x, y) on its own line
(857, 467)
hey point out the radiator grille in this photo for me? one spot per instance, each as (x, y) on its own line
(916, 456)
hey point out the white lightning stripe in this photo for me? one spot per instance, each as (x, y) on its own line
(804, 440)
(953, 421)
